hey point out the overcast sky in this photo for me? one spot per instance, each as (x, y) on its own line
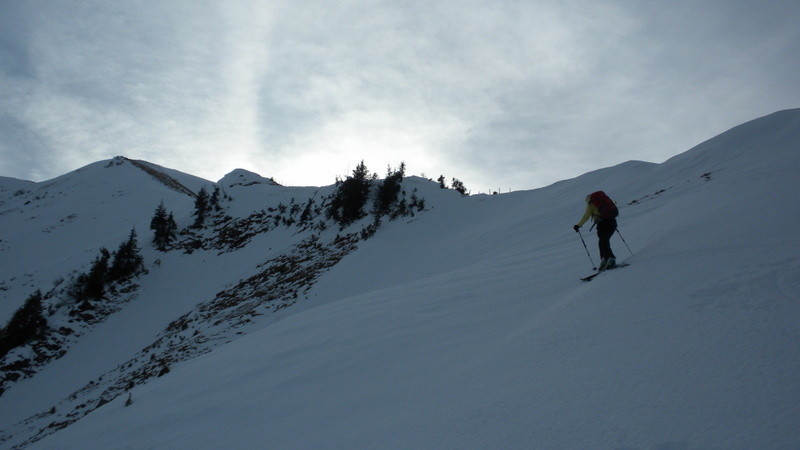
(500, 94)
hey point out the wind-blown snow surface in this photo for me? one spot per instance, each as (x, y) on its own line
(467, 327)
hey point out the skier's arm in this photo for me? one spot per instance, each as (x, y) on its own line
(586, 215)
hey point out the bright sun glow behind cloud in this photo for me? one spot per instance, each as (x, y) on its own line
(379, 138)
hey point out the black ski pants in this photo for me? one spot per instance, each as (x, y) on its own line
(606, 229)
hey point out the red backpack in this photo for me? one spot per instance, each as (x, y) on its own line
(606, 206)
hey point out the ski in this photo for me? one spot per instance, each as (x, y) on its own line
(591, 277)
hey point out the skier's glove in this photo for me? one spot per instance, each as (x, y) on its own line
(576, 228)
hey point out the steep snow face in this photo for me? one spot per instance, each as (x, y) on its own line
(49, 228)
(466, 326)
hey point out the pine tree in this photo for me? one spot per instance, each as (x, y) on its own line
(94, 287)
(127, 259)
(171, 228)
(91, 285)
(214, 200)
(459, 186)
(201, 208)
(389, 190)
(26, 325)
(441, 182)
(417, 202)
(351, 195)
(159, 224)
(163, 226)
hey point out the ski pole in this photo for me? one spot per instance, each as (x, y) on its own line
(587, 249)
(623, 240)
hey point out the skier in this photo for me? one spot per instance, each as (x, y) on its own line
(603, 212)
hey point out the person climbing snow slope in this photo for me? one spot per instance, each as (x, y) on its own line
(604, 214)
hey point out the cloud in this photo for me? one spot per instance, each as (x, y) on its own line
(498, 94)
(164, 82)
(439, 72)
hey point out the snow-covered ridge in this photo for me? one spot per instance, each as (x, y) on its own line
(241, 177)
(159, 175)
(11, 186)
(461, 327)
(50, 228)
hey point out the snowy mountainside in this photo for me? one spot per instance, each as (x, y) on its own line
(51, 227)
(260, 247)
(12, 186)
(462, 326)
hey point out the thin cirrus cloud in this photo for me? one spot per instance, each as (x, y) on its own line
(508, 94)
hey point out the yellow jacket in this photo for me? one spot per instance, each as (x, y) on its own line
(591, 211)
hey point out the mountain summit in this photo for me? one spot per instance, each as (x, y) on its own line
(241, 177)
(458, 322)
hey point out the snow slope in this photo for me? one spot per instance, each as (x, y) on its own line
(467, 327)
(10, 187)
(51, 227)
